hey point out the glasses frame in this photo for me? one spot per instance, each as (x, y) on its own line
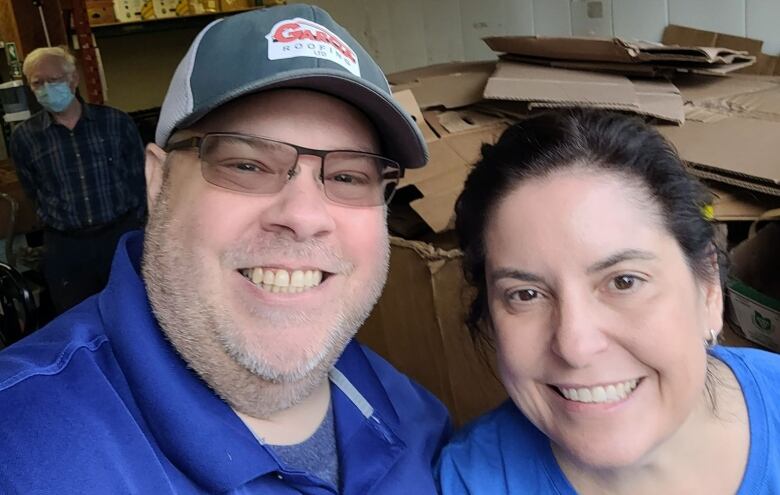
(39, 83)
(196, 142)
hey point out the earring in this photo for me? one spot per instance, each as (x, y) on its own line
(712, 340)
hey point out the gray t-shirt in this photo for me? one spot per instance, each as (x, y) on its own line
(317, 454)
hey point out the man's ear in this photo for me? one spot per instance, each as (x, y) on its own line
(155, 171)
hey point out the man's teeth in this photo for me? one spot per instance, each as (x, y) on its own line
(277, 280)
(600, 394)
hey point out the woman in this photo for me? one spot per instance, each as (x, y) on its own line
(597, 280)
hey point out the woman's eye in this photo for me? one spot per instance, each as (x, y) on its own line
(523, 295)
(625, 282)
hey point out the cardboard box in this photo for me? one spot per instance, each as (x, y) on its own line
(455, 138)
(611, 51)
(418, 326)
(549, 87)
(754, 287)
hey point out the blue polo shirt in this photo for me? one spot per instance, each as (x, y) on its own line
(99, 402)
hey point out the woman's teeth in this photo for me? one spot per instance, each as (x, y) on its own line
(278, 280)
(600, 394)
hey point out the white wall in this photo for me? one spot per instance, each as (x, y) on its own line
(408, 33)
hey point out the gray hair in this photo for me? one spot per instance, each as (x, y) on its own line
(34, 58)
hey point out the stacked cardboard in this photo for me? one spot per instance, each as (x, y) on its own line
(725, 125)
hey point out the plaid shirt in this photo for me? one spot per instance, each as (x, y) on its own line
(85, 177)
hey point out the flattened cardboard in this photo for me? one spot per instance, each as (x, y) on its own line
(763, 104)
(418, 326)
(700, 89)
(551, 87)
(736, 150)
(626, 69)
(451, 85)
(687, 36)
(615, 50)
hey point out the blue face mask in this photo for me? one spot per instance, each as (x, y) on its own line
(54, 97)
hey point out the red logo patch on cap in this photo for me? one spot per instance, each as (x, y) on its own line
(298, 37)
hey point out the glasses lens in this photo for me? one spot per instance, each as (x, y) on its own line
(359, 179)
(246, 164)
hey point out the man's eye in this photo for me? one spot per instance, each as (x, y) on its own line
(246, 166)
(349, 179)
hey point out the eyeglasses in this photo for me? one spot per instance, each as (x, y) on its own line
(38, 83)
(257, 165)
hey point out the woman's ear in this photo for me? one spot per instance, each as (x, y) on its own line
(155, 172)
(713, 294)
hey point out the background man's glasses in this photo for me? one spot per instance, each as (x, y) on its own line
(257, 165)
(38, 83)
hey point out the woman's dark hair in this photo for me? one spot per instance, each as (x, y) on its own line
(590, 140)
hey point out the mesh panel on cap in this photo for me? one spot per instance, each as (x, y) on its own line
(178, 100)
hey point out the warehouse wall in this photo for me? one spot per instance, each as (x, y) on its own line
(407, 33)
(402, 34)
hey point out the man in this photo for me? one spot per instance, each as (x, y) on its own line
(224, 363)
(83, 166)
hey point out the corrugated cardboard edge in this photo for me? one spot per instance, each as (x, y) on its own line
(426, 251)
(746, 184)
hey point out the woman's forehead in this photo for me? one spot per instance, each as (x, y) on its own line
(571, 210)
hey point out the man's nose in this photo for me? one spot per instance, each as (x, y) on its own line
(301, 208)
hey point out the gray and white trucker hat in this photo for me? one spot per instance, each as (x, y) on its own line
(290, 46)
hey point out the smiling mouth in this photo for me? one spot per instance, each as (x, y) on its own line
(278, 280)
(602, 394)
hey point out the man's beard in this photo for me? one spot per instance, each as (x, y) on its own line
(245, 373)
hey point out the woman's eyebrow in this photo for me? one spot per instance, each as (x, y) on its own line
(620, 256)
(515, 274)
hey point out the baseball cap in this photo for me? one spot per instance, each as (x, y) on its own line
(289, 46)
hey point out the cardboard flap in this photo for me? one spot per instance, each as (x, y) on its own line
(764, 104)
(526, 82)
(587, 49)
(441, 181)
(660, 99)
(686, 36)
(442, 160)
(749, 148)
(614, 50)
(732, 204)
(626, 69)
(447, 85)
(698, 89)
(465, 120)
(549, 87)
(408, 102)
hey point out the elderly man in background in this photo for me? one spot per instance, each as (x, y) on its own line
(82, 164)
(219, 358)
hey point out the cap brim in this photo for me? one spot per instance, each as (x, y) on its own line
(401, 138)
